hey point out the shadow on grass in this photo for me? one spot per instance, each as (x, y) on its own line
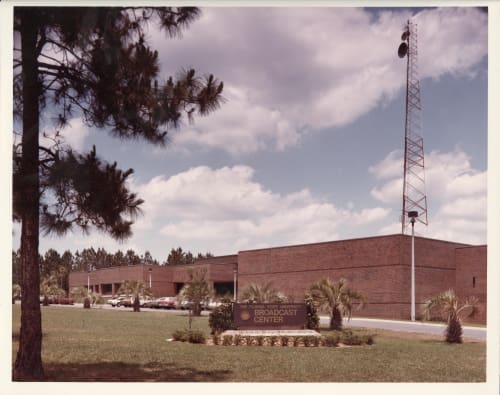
(119, 371)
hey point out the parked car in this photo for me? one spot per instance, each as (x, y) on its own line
(184, 305)
(151, 303)
(115, 302)
(129, 302)
(210, 304)
(167, 302)
(126, 302)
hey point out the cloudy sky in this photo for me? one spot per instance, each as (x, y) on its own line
(308, 146)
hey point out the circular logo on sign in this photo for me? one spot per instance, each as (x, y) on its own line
(245, 315)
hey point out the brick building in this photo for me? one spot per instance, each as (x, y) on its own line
(379, 267)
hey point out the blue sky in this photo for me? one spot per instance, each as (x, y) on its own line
(308, 146)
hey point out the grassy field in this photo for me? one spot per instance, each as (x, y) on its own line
(105, 345)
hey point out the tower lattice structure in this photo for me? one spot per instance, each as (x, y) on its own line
(414, 197)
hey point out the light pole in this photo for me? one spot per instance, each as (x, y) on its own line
(235, 277)
(88, 283)
(412, 215)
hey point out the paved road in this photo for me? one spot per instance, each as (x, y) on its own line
(415, 327)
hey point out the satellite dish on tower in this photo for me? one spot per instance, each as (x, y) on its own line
(402, 50)
(405, 35)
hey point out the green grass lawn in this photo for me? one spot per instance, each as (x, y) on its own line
(105, 345)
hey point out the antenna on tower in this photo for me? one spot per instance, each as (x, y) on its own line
(414, 198)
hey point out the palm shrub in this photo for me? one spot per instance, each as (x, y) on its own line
(337, 297)
(446, 304)
(196, 290)
(255, 293)
(136, 288)
(49, 287)
(86, 303)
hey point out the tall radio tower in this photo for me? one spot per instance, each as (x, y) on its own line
(414, 198)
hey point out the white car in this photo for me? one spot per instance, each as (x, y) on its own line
(115, 302)
(211, 304)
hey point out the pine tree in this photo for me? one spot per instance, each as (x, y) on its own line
(94, 63)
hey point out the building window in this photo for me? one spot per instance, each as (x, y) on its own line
(474, 282)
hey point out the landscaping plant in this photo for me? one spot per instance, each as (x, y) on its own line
(337, 297)
(221, 318)
(446, 304)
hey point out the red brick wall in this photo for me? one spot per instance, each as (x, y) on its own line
(219, 269)
(379, 267)
(472, 262)
(161, 278)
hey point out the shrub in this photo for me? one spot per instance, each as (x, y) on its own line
(368, 339)
(227, 340)
(296, 341)
(312, 318)
(216, 339)
(309, 341)
(350, 338)
(237, 339)
(248, 340)
(284, 341)
(221, 318)
(273, 340)
(181, 335)
(331, 340)
(191, 336)
(196, 337)
(260, 340)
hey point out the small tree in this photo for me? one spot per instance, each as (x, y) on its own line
(87, 297)
(136, 288)
(49, 287)
(221, 318)
(337, 297)
(255, 293)
(196, 290)
(447, 306)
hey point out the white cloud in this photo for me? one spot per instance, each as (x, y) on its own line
(74, 135)
(225, 210)
(243, 126)
(324, 67)
(456, 195)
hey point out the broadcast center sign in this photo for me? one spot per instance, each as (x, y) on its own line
(270, 315)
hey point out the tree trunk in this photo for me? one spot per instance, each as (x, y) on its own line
(28, 365)
(196, 309)
(336, 319)
(137, 304)
(454, 330)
